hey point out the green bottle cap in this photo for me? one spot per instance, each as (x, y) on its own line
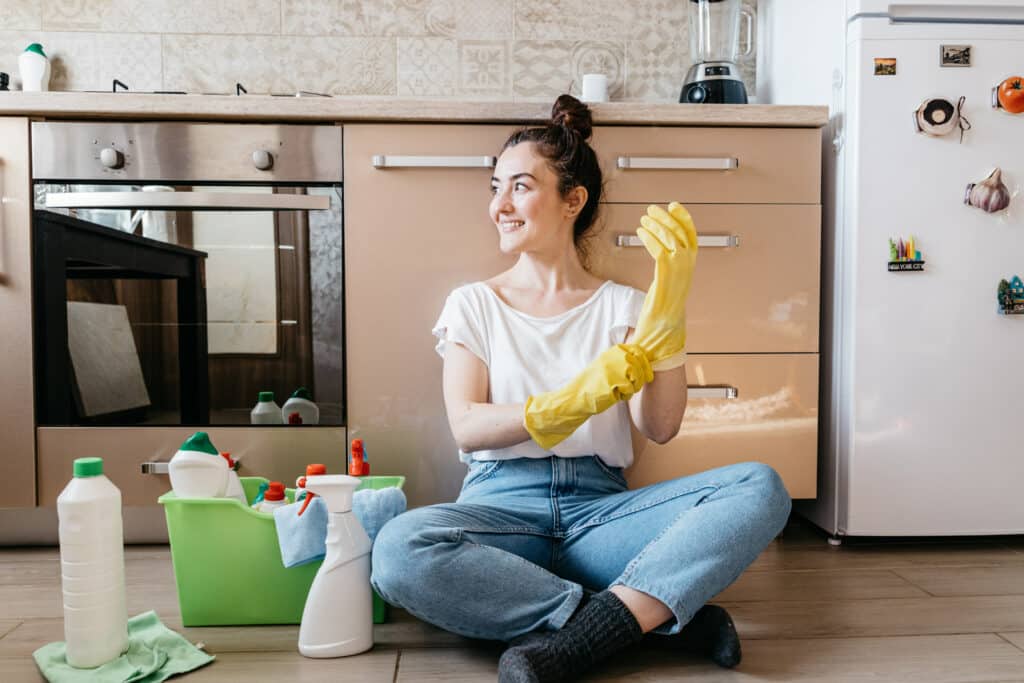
(199, 442)
(88, 467)
(37, 48)
(266, 396)
(303, 392)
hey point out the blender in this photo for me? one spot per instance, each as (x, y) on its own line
(714, 47)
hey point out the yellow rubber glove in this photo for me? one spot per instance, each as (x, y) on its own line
(618, 373)
(671, 239)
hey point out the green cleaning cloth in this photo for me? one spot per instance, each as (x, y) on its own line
(154, 654)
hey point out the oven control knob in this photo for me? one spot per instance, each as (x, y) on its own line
(111, 158)
(262, 159)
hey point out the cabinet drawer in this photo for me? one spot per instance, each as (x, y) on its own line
(710, 165)
(773, 419)
(759, 296)
(277, 453)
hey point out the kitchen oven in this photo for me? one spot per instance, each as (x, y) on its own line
(180, 269)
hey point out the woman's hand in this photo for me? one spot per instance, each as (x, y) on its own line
(618, 373)
(671, 240)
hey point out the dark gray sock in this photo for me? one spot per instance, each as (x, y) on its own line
(711, 633)
(601, 628)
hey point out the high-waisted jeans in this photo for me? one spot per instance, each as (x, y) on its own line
(527, 537)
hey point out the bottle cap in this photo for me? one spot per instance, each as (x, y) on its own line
(302, 392)
(199, 443)
(227, 456)
(88, 467)
(315, 468)
(275, 491)
(357, 446)
(37, 48)
(266, 396)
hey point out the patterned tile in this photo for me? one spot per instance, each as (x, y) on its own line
(339, 66)
(165, 16)
(664, 19)
(545, 69)
(89, 61)
(483, 68)
(369, 17)
(483, 19)
(427, 66)
(574, 19)
(655, 69)
(22, 14)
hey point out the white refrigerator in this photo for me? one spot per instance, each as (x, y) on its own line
(922, 404)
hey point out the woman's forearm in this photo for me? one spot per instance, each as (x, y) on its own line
(658, 409)
(486, 426)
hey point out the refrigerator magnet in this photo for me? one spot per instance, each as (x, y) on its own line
(938, 116)
(885, 66)
(904, 256)
(990, 195)
(954, 55)
(1009, 95)
(1011, 296)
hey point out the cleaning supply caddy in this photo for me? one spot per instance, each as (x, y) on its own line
(227, 561)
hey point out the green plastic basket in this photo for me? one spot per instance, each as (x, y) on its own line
(227, 563)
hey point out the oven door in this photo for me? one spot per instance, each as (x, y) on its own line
(182, 304)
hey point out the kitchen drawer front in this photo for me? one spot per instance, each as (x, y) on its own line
(413, 233)
(773, 419)
(759, 296)
(277, 453)
(772, 165)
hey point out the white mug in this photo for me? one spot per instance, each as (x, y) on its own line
(595, 88)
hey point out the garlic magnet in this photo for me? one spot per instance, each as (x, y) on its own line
(990, 194)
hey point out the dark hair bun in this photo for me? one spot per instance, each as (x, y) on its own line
(570, 113)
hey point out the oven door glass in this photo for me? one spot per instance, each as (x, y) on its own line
(184, 305)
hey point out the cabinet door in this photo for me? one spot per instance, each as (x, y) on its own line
(742, 407)
(755, 289)
(18, 484)
(416, 227)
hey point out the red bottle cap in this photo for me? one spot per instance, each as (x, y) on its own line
(315, 468)
(227, 456)
(275, 491)
(355, 468)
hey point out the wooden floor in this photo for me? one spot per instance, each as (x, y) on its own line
(930, 611)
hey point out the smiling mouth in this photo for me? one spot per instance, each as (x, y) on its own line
(510, 226)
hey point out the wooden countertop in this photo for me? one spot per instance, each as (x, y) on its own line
(255, 108)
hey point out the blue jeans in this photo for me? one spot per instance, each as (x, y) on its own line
(527, 536)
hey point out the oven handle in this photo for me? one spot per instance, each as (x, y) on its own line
(198, 201)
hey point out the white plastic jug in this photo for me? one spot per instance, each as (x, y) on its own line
(266, 412)
(300, 409)
(92, 567)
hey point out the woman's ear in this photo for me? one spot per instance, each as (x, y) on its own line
(575, 200)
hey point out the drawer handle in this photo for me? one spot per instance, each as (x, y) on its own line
(712, 391)
(703, 241)
(679, 163)
(155, 468)
(391, 161)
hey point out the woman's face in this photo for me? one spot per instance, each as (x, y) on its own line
(526, 206)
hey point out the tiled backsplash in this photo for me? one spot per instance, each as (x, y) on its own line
(465, 49)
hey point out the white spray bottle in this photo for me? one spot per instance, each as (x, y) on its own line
(338, 617)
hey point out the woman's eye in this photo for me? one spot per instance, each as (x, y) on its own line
(521, 186)
(494, 189)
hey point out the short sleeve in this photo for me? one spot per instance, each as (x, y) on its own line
(628, 303)
(462, 323)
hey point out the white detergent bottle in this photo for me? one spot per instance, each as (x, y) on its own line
(266, 412)
(300, 409)
(92, 567)
(197, 470)
(338, 617)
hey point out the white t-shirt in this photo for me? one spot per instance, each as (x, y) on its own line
(527, 355)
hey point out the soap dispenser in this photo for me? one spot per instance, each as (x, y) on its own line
(337, 620)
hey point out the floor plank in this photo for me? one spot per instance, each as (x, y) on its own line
(870, 618)
(463, 665)
(20, 669)
(821, 585)
(779, 556)
(1015, 638)
(946, 581)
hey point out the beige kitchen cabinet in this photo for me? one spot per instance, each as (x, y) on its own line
(416, 227)
(18, 483)
(753, 312)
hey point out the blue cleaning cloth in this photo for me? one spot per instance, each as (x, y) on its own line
(154, 654)
(304, 539)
